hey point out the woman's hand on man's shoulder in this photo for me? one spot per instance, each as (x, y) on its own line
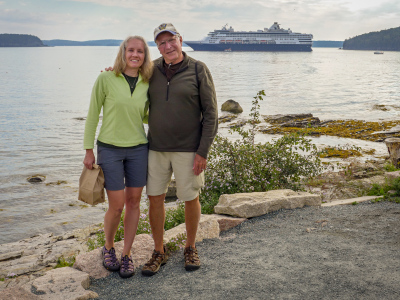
(108, 69)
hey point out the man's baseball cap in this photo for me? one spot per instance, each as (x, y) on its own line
(163, 28)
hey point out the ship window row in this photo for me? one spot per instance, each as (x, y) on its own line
(262, 35)
(286, 39)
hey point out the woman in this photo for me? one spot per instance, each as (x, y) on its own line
(122, 144)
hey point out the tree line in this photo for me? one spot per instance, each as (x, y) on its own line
(19, 40)
(388, 40)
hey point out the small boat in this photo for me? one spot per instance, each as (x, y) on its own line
(378, 52)
(228, 50)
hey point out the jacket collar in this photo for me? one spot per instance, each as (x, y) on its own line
(185, 62)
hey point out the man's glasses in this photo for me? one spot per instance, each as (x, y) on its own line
(171, 41)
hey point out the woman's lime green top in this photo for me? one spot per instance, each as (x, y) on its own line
(123, 112)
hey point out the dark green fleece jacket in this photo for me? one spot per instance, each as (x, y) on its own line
(183, 115)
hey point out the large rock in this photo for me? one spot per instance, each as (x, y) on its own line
(393, 146)
(392, 175)
(209, 227)
(226, 118)
(63, 283)
(41, 252)
(279, 118)
(232, 106)
(302, 123)
(226, 222)
(248, 205)
(91, 262)
(17, 293)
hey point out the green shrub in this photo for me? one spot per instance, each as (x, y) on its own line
(174, 216)
(242, 166)
(382, 190)
(389, 167)
(396, 186)
(144, 223)
(378, 190)
(177, 243)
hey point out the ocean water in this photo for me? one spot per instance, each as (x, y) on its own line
(44, 93)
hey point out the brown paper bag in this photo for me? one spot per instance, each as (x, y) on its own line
(91, 185)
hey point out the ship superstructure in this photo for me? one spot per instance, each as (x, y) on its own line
(269, 39)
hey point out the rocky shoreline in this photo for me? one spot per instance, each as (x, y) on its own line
(34, 259)
(313, 126)
(31, 261)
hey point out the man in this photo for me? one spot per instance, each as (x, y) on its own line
(183, 122)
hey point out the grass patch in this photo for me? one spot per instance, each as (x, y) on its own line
(389, 167)
(65, 262)
(340, 152)
(177, 243)
(390, 191)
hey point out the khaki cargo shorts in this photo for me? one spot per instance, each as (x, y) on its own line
(160, 168)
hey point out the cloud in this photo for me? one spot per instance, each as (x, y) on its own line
(98, 19)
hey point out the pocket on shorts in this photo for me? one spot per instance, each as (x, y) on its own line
(198, 181)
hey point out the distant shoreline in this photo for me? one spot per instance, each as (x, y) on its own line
(55, 43)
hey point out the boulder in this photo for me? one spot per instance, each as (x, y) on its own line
(18, 293)
(392, 175)
(226, 222)
(226, 118)
(393, 130)
(393, 146)
(232, 106)
(91, 262)
(42, 251)
(248, 205)
(209, 227)
(303, 123)
(63, 283)
(36, 178)
(279, 118)
(238, 124)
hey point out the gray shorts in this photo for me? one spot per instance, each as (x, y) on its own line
(123, 166)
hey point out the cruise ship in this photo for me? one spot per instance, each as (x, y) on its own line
(272, 39)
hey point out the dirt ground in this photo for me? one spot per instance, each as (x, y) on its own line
(340, 252)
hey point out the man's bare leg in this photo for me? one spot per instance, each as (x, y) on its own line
(192, 219)
(157, 220)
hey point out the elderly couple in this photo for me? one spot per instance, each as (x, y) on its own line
(178, 92)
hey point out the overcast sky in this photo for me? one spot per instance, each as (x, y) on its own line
(82, 20)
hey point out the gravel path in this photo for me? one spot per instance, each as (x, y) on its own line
(341, 252)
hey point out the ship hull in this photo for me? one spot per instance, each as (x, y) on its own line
(196, 46)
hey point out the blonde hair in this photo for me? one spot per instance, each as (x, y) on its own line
(146, 70)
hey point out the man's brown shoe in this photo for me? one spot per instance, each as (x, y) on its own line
(156, 261)
(192, 260)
